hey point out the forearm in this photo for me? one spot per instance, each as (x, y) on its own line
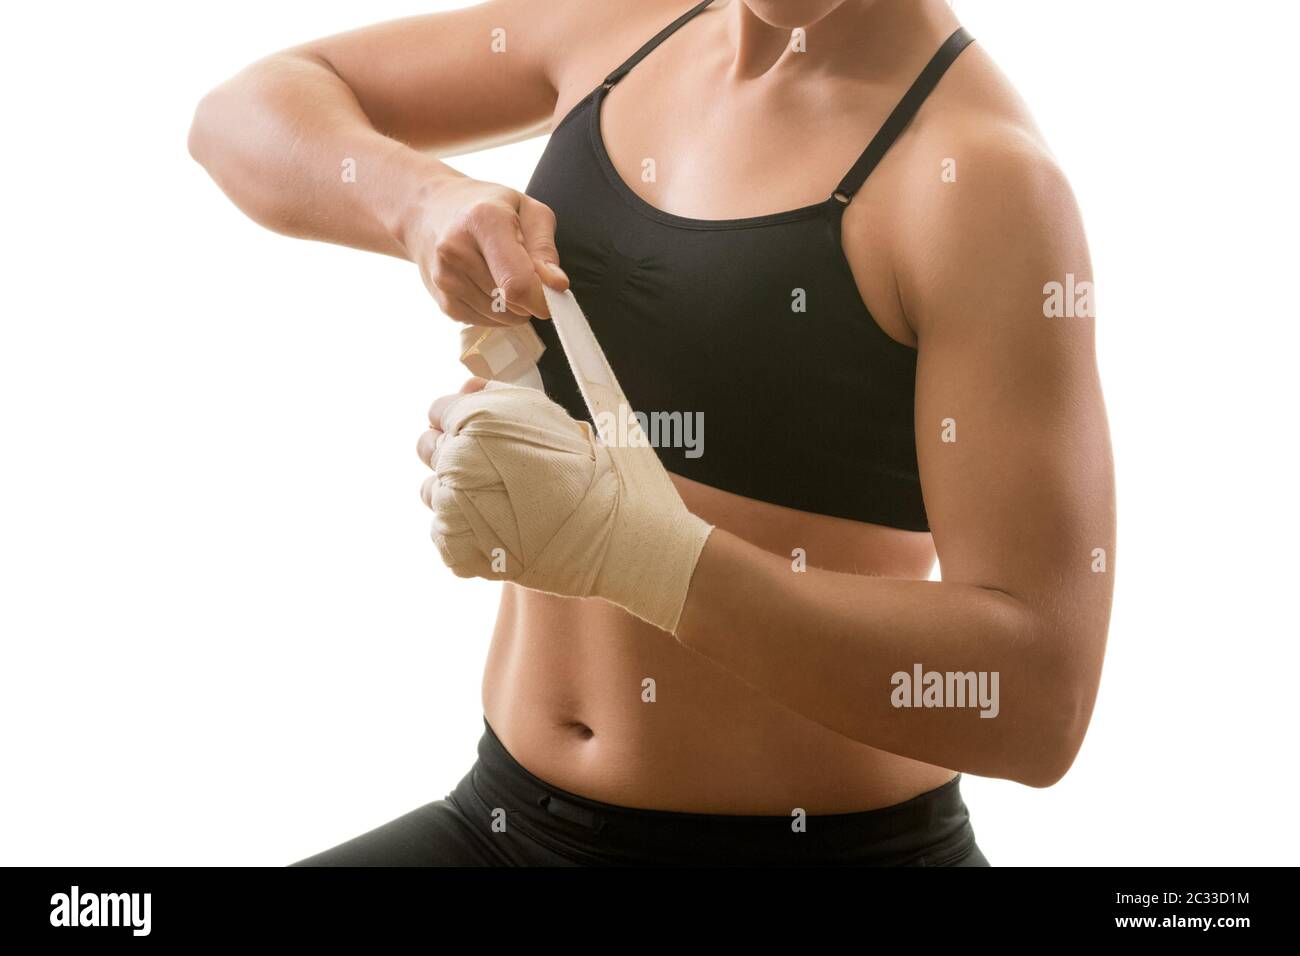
(288, 142)
(828, 645)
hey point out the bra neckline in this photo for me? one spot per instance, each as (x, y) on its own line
(651, 211)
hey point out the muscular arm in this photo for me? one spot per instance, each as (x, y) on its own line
(1017, 504)
(387, 98)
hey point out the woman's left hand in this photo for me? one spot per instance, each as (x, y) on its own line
(523, 492)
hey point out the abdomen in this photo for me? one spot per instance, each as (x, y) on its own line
(597, 702)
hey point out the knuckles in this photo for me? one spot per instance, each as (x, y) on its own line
(535, 207)
(480, 215)
(447, 517)
(445, 252)
(515, 287)
(461, 463)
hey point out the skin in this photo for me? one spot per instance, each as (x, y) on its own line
(776, 692)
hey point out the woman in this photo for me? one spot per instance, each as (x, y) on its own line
(889, 338)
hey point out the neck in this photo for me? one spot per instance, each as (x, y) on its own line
(867, 39)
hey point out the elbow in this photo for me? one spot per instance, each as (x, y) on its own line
(217, 117)
(1054, 734)
(259, 97)
(226, 110)
(246, 134)
(1050, 761)
(220, 142)
(202, 138)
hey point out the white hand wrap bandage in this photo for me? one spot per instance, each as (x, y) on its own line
(528, 494)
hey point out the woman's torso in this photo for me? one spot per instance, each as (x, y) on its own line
(567, 682)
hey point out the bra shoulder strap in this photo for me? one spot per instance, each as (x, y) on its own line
(903, 113)
(653, 42)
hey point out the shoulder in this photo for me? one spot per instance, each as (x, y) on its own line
(981, 205)
(993, 185)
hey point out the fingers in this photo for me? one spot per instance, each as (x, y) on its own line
(463, 556)
(479, 285)
(456, 278)
(454, 536)
(475, 313)
(456, 273)
(492, 259)
(468, 502)
(447, 289)
(513, 271)
(460, 273)
(427, 444)
(486, 307)
(537, 226)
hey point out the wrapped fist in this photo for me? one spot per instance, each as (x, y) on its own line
(523, 492)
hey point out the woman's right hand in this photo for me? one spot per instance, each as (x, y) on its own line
(484, 251)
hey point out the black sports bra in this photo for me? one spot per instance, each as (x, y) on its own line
(698, 317)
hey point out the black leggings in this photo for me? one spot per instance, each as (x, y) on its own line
(502, 815)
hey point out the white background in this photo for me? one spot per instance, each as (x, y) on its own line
(226, 636)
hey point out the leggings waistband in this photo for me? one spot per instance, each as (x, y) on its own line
(931, 829)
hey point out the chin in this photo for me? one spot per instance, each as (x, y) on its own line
(788, 14)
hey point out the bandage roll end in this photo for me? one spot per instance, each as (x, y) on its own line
(503, 354)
